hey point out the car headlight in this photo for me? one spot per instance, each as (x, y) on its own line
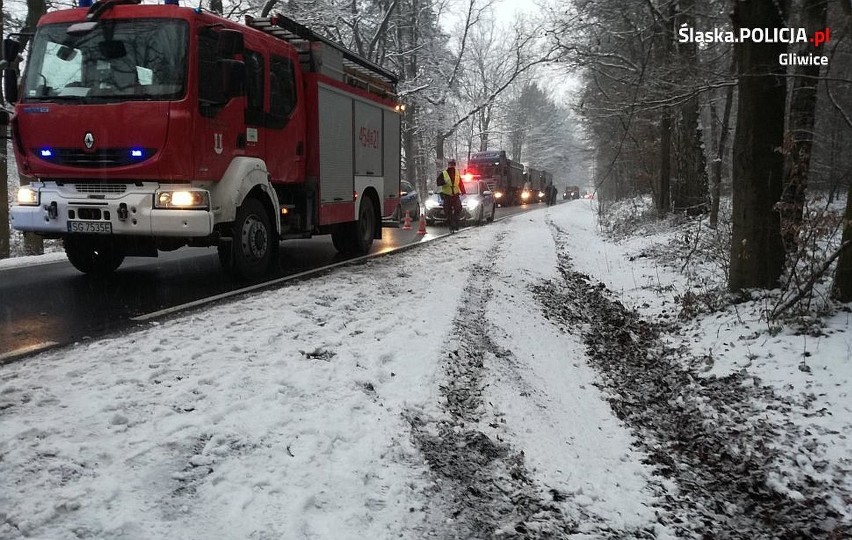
(541, 194)
(431, 203)
(498, 194)
(182, 198)
(525, 195)
(471, 203)
(27, 196)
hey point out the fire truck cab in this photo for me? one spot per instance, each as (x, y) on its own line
(150, 127)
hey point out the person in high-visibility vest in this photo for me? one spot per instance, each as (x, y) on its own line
(449, 180)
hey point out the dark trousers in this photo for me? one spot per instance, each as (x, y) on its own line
(452, 202)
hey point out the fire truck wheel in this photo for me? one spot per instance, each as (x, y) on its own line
(92, 256)
(357, 238)
(365, 227)
(252, 245)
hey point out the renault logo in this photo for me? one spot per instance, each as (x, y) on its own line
(89, 140)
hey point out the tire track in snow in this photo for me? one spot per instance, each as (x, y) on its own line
(480, 481)
(706, 434)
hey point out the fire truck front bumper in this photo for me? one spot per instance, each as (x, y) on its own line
(139, 209)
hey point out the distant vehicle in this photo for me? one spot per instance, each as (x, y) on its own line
(571, 193)
(504, 177)
(528, 195)
(409, 200)
(536, 183)
(478, 204)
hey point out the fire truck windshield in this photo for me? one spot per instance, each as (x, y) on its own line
(118, 60)
(487, 170)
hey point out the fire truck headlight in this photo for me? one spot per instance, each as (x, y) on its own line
(27, 196)
(183, 199)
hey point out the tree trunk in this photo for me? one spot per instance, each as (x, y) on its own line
(690, 193)
(721, 149)
(842, 288)
(664, 188)
(665, 29)
(800, 137)
(757, 253)
(408, 146)
(33, 243)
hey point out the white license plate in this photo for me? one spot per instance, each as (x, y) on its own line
(90, 227)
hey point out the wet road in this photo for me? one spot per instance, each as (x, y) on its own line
(53, 304)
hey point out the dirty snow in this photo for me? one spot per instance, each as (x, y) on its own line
(414, 396)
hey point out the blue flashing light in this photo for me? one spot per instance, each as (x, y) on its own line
(46, 152)
(84, 3)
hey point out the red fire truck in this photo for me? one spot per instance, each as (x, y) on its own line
(150, 127)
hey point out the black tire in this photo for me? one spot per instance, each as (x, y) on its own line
(252, 249)
(93, 255)
(365, 227)
(357, 238)
(340, 239)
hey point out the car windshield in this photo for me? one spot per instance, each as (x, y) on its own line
(117, 60)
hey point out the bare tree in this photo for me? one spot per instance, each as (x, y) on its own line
(33, 243)
(842, 285)
(799, 139)
(757, 254)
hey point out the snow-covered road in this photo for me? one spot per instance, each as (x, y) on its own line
(435, 393)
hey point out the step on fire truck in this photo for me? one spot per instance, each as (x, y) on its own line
(146, 128)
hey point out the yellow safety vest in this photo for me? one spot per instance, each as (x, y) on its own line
(451, 187)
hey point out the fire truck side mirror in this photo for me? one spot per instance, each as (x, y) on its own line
(10, 85)
(11, 58)
(11, 50)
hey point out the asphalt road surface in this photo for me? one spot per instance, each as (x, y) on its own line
(53, 304)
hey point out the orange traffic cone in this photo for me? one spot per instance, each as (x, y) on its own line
(406, 226)
(422, 228)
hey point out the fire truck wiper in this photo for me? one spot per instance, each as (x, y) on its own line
(56, 99)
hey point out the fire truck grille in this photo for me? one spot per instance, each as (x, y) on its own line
(101, 158)
(100, 188)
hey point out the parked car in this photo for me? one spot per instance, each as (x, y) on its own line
(478, 205)
(409, 200)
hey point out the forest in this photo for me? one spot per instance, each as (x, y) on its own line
(734, 115)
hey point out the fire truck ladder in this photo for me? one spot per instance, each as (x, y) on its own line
(319, 54)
